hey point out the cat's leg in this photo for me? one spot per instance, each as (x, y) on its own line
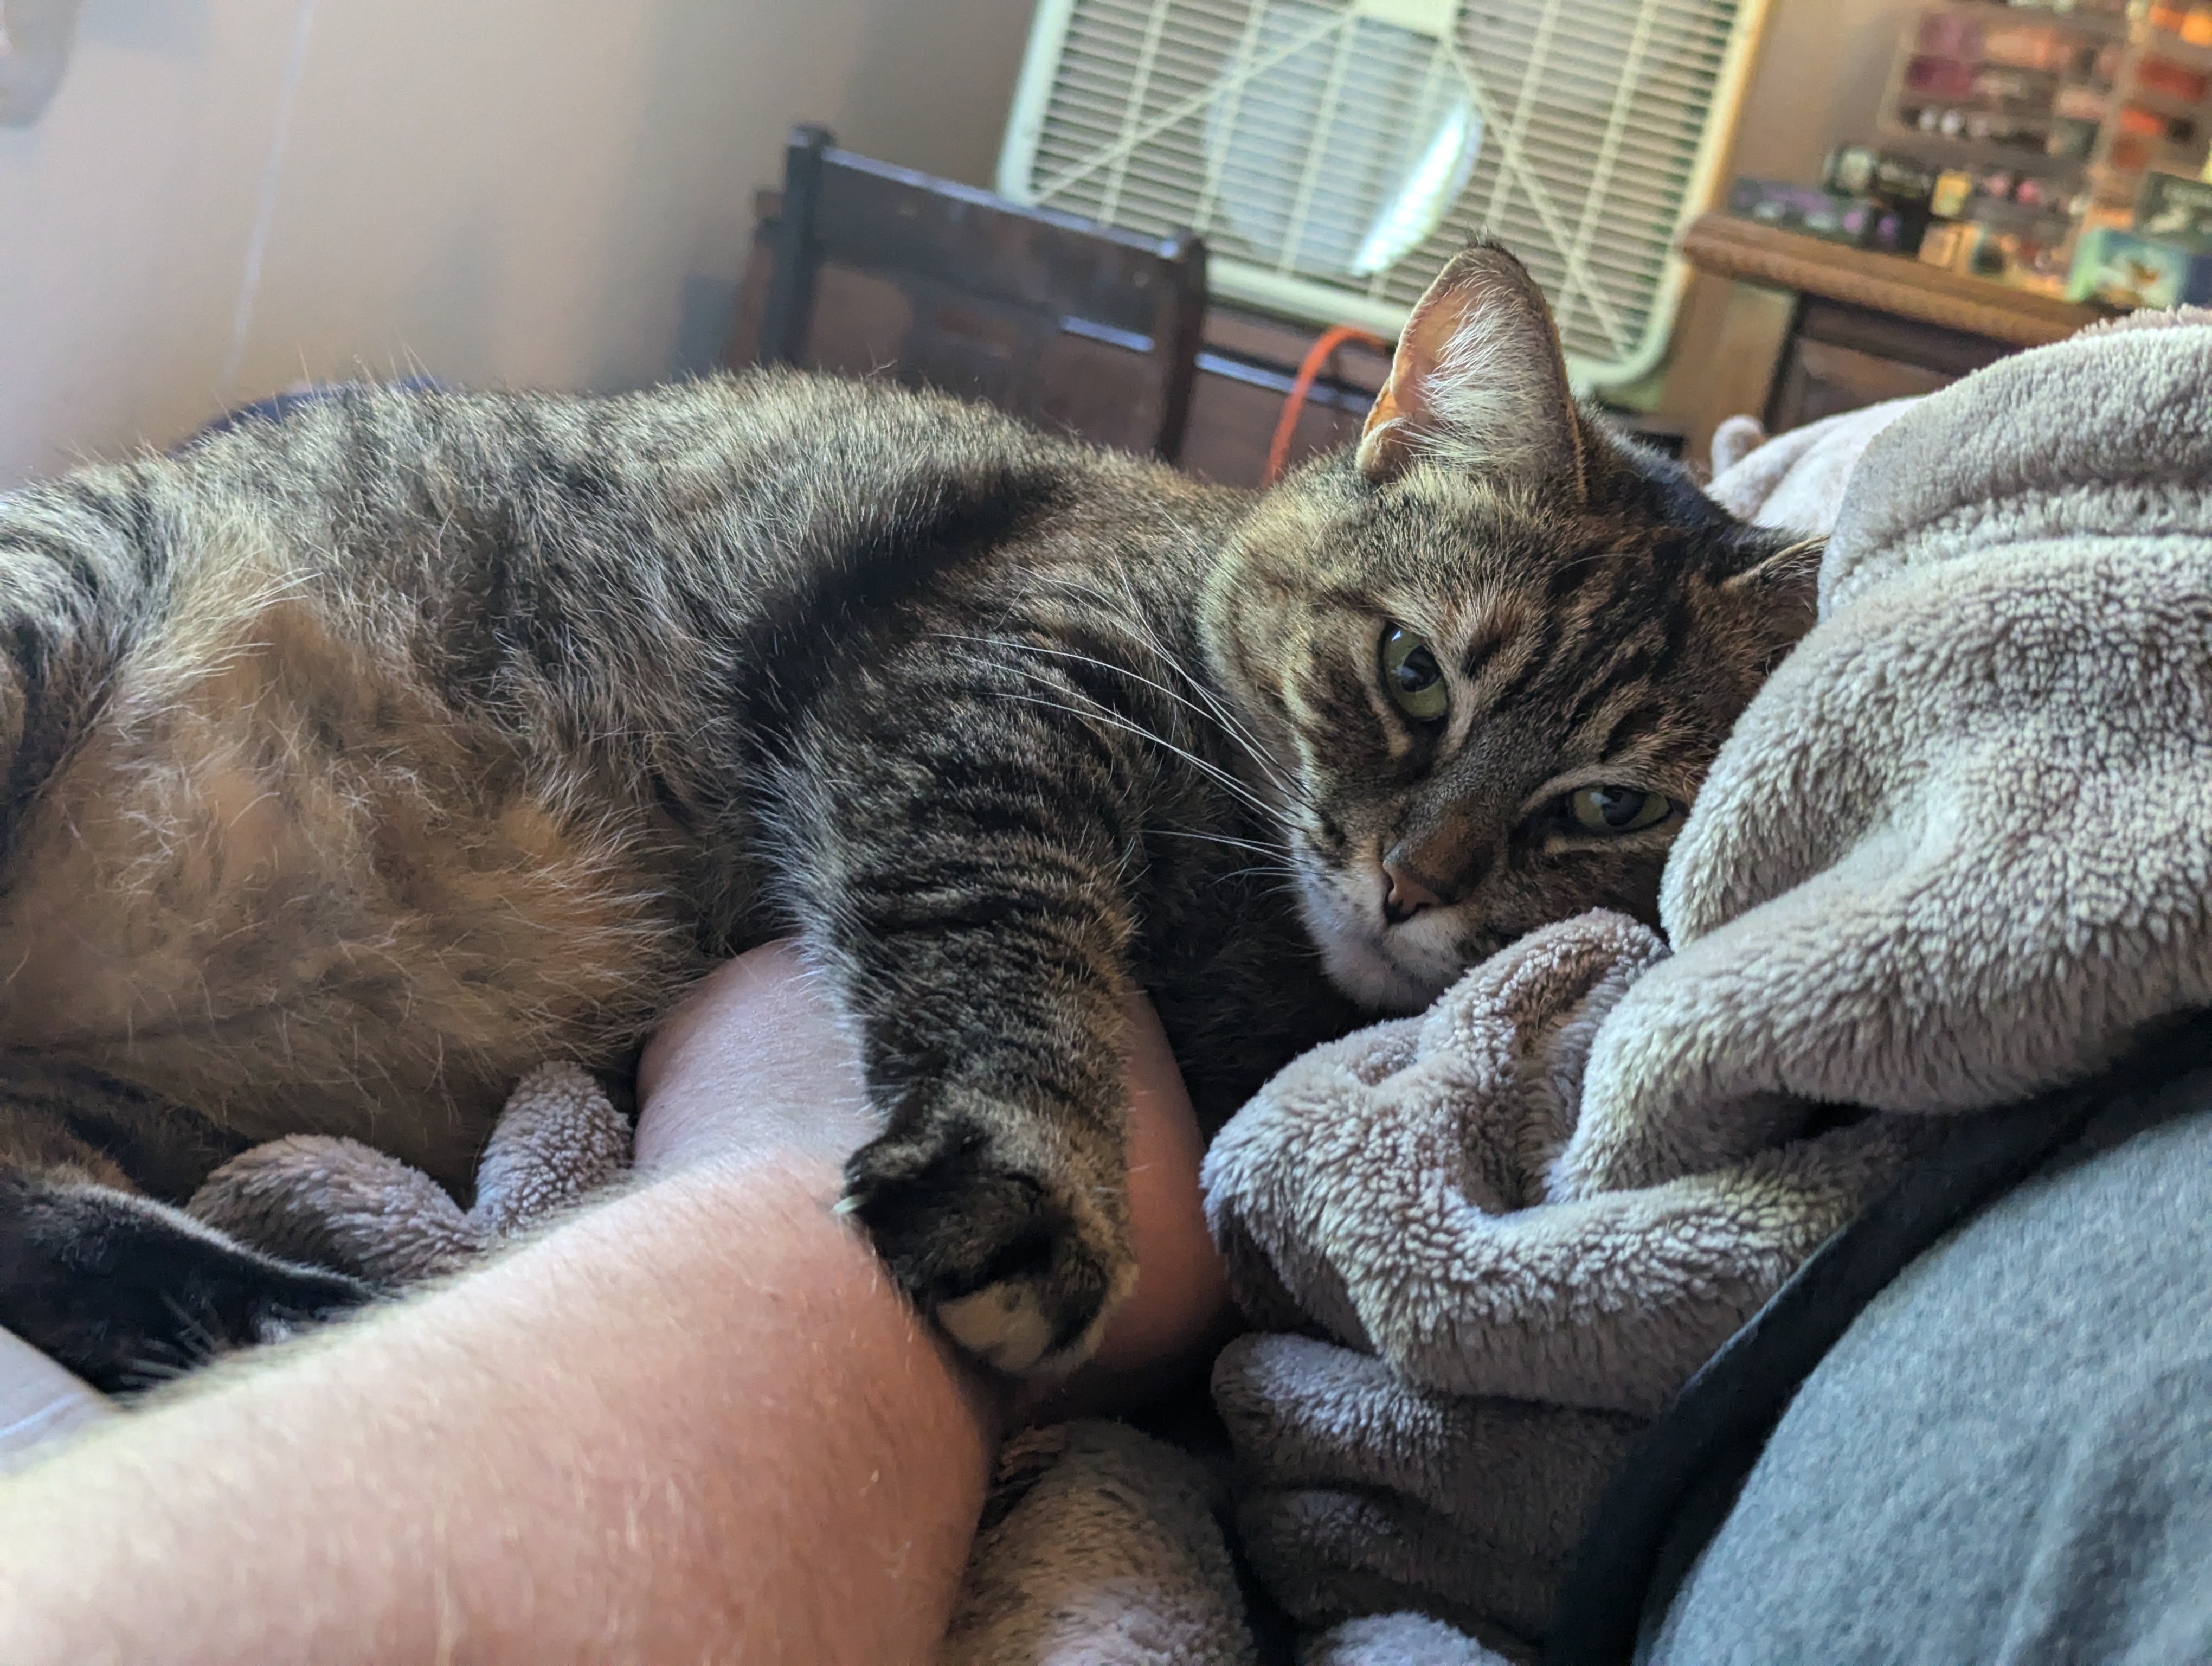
(122, 1289)
(971, 898)
(126, 1291)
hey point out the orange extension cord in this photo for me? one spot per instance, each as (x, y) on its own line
(1279, 455)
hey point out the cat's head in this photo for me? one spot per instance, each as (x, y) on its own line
(1491, 649)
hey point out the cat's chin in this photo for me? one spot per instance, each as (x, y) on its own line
(1356, 962)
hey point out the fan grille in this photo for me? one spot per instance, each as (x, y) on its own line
(1284, 130)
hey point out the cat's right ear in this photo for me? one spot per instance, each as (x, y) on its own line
(1477, 381)
(1782, 589)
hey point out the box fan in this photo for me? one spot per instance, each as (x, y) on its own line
(1335, 153)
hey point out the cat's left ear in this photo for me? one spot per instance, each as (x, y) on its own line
(1783, 590)
(1478, 381)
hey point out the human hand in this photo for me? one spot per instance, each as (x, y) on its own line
(756, 1065)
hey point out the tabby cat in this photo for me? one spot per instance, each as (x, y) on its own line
(358, 761)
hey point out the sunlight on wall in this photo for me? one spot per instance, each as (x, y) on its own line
(542, 192)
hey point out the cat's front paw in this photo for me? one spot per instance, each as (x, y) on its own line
(1018, 1266)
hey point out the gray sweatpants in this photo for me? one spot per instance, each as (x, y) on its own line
(2008, 1456)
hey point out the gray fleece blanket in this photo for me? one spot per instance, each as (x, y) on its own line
(1958, 850)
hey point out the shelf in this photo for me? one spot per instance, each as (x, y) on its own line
(1731, 246)
(1980, 154)
(2166, 45)
(2095, 24)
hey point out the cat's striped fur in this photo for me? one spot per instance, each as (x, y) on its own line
(359, 761)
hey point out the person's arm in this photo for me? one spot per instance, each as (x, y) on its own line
(693, 1422)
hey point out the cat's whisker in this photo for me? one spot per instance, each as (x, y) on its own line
(1105, 714)
(1253, 845)
(1141, 628)
(1129, 613)
(1211, 711)
(1093, 707)
(203, 1342)
(1221, 777)
(1285, 879)
(1223, 712)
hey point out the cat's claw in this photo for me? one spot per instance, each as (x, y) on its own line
(1020, 1272)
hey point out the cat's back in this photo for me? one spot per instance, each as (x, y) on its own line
(754, 474)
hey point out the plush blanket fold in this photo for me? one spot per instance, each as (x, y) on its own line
(1958, 850)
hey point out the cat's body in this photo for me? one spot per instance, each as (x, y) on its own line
(362, 761)
(392, 793)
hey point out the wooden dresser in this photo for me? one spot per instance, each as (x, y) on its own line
(1846, 327)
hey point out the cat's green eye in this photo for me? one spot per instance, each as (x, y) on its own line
(1412, 677)
(1617, 809)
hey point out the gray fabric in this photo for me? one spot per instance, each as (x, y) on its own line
(336, 1202)
(1501, 1343)
(1397, 1640)
(2009, 1457)
(40, 1403)
(1957, 850)
(1399, 1191)
(1796, 480)
(1960, 844)
(1364, 1493)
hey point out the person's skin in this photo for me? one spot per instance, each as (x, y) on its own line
(691, 1423)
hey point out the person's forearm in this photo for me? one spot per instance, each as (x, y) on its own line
(666, 1466)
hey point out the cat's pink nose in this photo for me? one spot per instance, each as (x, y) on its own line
(1407, 894)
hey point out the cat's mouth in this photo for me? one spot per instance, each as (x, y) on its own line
(1391, 966)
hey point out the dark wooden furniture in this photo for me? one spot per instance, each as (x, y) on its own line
(1865, 326)
(1089, 331)
(875, 270)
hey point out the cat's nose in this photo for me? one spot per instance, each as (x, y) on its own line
(1433, 870)
(1406, 893)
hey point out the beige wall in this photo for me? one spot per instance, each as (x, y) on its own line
(1818, 81)
(551, 192)
(1821, 68)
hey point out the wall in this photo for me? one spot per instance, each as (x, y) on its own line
(1821, 68)
(549, 192)
(230, 196)
(1818, 81)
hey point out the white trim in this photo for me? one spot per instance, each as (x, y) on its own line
(1704, 189)
(1433, 18)
(1032, 98)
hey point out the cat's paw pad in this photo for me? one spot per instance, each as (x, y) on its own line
(1020, 1270)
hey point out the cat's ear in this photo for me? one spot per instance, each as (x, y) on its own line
(1782, 589)
(1478, 380)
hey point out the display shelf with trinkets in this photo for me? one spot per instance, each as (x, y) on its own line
(2044, 164)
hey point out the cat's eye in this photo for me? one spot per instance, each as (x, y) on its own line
(1617, 809)
(1412, 677)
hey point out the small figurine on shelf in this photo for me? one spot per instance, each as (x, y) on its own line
(2124, 269)
(2175, 210)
